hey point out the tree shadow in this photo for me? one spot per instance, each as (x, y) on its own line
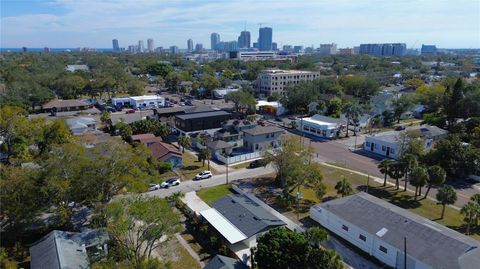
(190, 167)
(474, 230)
(405, 201)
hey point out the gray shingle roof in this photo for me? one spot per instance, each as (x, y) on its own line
(245, 214)
(259, 130)
(223, 262)
(219, 144)
(427, 241)
(203, 114)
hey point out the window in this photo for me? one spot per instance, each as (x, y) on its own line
(367, 144)
(383, 148)
(256, 146)
(376, 146)
(345, 227)
(392, 151)
(383, 249)
(267, 136)
(272, 135)
(362, 237)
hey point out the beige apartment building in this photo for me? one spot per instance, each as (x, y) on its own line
(275, 80)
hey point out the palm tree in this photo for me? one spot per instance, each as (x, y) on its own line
(205, 155)
(408, 161)
(436, 177)
(385, 167)
(471, 212)
(446, 196)
(344, 187)
(418, 179)
(316, 235)
(396, 172)
(184, 141)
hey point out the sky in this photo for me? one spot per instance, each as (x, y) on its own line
(94, 23)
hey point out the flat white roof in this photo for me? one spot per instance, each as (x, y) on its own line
(223, 226)
(266, 103)
(317, 122)
(146, 97)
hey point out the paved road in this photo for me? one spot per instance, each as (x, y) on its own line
(216, 180)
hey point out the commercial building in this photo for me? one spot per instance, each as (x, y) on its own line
(254, 55)
(346, 51)
(391, 143)
(297, 49)
(116, 48)
(327, 49)
(265, 38)
(227, 46)
(429, 49)
(173, 49)
(140, 47)
(244, 40)
(201, 121)
(150, 45)
(386, 49)
(275, 80)
(190, 45)
(214, 40)
(320, 126)
(274, 46)
(58, 105)
(144, 101)
(198, 47)
(274, 108)
(384, 231)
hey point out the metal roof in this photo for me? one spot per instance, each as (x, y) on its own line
(203, 115)
(223, 226)
(249, 217)
(223, 262)
(427, 241)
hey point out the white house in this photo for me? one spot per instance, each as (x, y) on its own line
(390, 143)
(381, 229)
(80, 125)
(139, 101)
(320, 126)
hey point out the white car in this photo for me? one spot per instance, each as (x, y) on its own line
(204, 175)
(170, 182)
(153, 186)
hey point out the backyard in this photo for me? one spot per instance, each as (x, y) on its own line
(209, 195)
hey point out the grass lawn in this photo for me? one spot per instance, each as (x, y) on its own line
(185, 260)
(209, 195)
(241, 165)
(204, 255)
(191, 167)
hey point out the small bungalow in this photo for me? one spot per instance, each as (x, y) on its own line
(165, 152)
(224, 262)
(146, 139)
(219, 147)
(65, 105)
(81, 125)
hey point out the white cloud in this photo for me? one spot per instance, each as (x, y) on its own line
(94, 23)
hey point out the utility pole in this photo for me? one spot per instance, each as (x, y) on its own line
(368, 181)
(227, 169)
(298, 202)
(405, 253)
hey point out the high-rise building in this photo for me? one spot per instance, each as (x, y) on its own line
(140, 47)
(46, 49)
(190, 45)
(150, 46)
(387, 49)
(346, 51)
(214, 40)
(265, 38)
(116, 48)
(132, 48)
(173, 49)
(429, 49)
(327, 49)
(274, 46)
(287, 48)
(24, 49)
(199, 47)
(297, 49)
(255, 45)
(244, 40)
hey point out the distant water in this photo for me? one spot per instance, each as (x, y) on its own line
(51, 50)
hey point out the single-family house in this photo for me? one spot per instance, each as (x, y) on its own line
(146, 139)
(224, 262)
(192, 122)
(391, 143)
(320, 126)
(261, 138)
(384, 231)
(221, 92)
(58, 105)
(240, 220)
(60, 249)
(81, 125)
(166, 152)
(232, 131)
(219, 147)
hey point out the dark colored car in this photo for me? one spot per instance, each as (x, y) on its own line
(130, 111)
(257, 163)
(400, 128)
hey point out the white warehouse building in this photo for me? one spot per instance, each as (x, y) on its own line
(320, 126)
(143, 101)
(380, 229)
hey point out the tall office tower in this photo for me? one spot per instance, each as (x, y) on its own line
(387, 49)
(244, 40)
(429, 49)
(150, 46)
(115, 45)
(198, 47)
(274, 46)
(173, 49)
(140, 47)
(46, 49)
(327, 49)
(265, 38)
(287, 48)
(255, 45)
(214, 40)
(190, 45)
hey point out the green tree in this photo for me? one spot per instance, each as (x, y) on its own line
(184, 141)
(401, 105)
(408, 162)
(316, 235)
(396, 172)
(471, 213)
(446, 196)
(385, 166)
(352, 111)
(344, 187)
(205, 155)
(334, 107)
(105, 117)
(138, 225)
(209, 83)
(160, 69)
(418, 179)
(436, 177)
(324, 258)
(55, 133)
(124, 130)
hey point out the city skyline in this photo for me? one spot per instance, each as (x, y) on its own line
(62, 23)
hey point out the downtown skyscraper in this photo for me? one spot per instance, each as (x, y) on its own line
(244, 40)
(150, 46)
(190, 45)
(265, 38)
(140, 47)
(214, 40)
(116, 48)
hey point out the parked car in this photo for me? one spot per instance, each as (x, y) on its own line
(130, 111)
(257, 163)
(399, 128)
(292, 117)
(171, 182)
(204, 175)
(153, 186)
(261, 122)
(188, 103)
(278, 119)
